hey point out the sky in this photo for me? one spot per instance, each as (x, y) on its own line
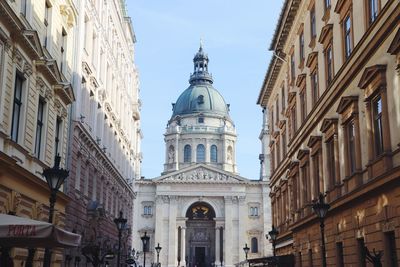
(236, 35)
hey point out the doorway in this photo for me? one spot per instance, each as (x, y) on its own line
(200, 256)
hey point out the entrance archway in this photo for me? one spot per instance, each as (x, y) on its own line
(200, 235)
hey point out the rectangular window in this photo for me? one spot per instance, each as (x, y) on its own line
(147, 210)
(310, 258)
(373, 10)
(327, 4)
(348, 42)
(351, 153)
(292, 69)
(301, 46)
(278, 154)
(361, 252)
(314, 86)
(377, 125)
(18, 88)
(330, 147)
(63, 50)
(23, 7)
(47, 13)
(283, 98)
(253, 211)
(277, 109)
(303, 105)
(390, 249)
(284, 143)
(316, 174)
(58, 136)
(39, 127)
(293, 120)
(329, 64)
(312, 23)
(339, 255)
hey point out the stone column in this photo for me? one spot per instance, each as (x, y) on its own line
(228, 242)
(217, 244)
(158, 234)
(176, 158)
(183, 246)
(172, 231)
(242, 227)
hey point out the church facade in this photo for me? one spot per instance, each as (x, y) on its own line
(200, 210)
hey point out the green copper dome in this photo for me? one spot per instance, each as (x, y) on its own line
(201, 96)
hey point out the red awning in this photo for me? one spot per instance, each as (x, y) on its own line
(22, 232)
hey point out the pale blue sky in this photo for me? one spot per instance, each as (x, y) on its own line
(236, 35)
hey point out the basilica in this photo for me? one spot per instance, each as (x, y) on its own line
(200, 211)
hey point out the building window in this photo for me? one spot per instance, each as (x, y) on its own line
(284, 143)
(373, 10)
(254, 245)
(47, 24)
(310, 258)
(329, 64)
(390, 249)
(314, 86)
(293, 120)
(292, 69)
(316, 170)
(200, 153)
(283, 98)
(253, 211)
(213, 153)
(187, 153)
(24, 6)
(339, 255)
(201, 120)
(361, 252)
(63, 51)
(327, 4)
(301, 47)
(18, 88)
(351, 146)
(330, 151)
(278, 153)
(147, 210)
(303, 105)
(58, 135)
(312, 23)
(277, 109)
(377, 125)
(39, 127)
(347, 34)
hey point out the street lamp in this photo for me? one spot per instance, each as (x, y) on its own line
(273, 235)
(158, 249)
(55, 177)
(145, 241)
(246, 250)
(321, 209)
(120, 222)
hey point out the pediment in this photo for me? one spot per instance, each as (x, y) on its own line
(33, 40)
(200, 173)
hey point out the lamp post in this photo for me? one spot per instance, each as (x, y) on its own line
(55, 177)
(145, 241)
(158, 249)
(321, 209)
(246, 250)
(120, 222)
(273, 235)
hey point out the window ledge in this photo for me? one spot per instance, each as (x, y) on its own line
(147, 215)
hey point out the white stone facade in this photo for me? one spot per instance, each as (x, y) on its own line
(200, 211)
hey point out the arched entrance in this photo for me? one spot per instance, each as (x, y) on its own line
(200, 235)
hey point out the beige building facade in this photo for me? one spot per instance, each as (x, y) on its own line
(36, 58)
(331, 96)
(105, 135)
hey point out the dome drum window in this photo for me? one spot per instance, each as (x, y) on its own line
(187, 153)
(201, 153)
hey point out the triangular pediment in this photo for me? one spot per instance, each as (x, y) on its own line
(200, 173)
(33, 40)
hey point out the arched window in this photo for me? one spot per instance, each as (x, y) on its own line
(213, 153)
(254, 245)
(187, 154)
(201, 153)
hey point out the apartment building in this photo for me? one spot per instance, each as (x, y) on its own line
(36, 62)
(331, 97)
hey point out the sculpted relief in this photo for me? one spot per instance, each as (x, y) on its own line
(201, 174)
